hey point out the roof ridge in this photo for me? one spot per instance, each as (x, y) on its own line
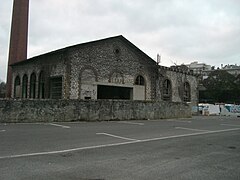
(68, 47)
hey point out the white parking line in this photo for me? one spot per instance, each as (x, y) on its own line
(26, 123)
(120, 137)
(116, 144)
(191, 129)
(192, 134)
(230, 125)
(2, 130)
(128, 122)
(58, 125)
(74, 122)
(183, 121)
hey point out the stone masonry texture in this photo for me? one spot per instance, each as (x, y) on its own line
(83, 68)
(12, 111)
(102, 61)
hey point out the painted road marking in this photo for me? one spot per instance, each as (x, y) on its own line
(116, 144)
(183, 121)
(230, 125)
(28, 123)
(2, 130)
(75, 122)
(58, 125)
(120, 137)
(128, 122)
(160, 120)
(191, 129)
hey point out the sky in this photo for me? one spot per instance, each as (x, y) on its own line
(181, 31)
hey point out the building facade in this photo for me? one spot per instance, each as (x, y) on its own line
(198, 68)
(232, 69)
(111, 68)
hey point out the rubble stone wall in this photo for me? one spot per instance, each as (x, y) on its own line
(12, 111)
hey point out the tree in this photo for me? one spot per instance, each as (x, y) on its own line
(221, 87)
(2, 89)
(237, 81)
(220, 79)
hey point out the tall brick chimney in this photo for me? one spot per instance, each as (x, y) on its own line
(18, 38)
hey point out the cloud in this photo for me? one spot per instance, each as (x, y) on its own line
(5, 14)
(181, 31)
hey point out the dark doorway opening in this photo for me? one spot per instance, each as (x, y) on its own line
(114, 92)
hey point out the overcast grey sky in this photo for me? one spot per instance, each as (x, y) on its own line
(181, 31)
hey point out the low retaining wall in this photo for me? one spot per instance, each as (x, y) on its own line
(80, 110)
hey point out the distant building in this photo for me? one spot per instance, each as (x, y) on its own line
(203, 70)
(198, 68)
(231, 69)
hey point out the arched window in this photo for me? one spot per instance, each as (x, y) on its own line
(140, 81)
(186, 92)
(41, 85)
(24, 86)
(17, 87)
(167, 90)
(33, 86)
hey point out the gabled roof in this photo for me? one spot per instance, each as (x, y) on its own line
(120, 37)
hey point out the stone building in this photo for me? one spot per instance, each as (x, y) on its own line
(111, 68)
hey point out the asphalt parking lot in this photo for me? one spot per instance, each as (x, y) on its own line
(196, 148)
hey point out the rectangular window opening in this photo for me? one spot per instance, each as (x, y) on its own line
(56, 88)
(114, 92)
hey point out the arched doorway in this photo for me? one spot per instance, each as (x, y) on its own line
(24, 86)
(33, 86)
(17, 87)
